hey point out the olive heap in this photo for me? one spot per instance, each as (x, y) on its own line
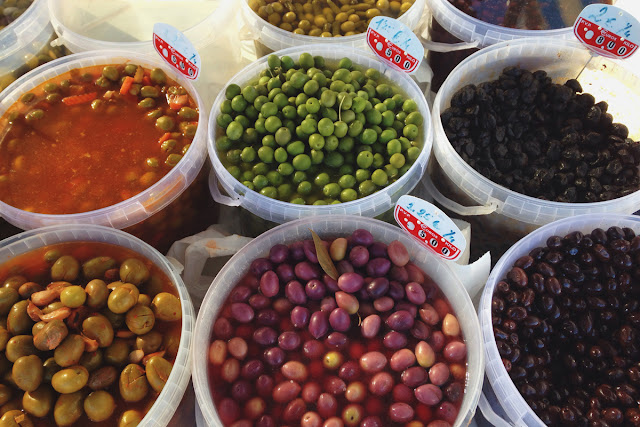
(326, 18)
(542, 139)
(89, 342)
(309, 133)
(566, 319)
(379, 346)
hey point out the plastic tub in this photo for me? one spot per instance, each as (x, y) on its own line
(210, 25)
(338, 225)
(170, 397)
(278, 211)
(503, 212)
(147, 205)
(502, 398)
(269, 38)
(24, 43)
(465, 34)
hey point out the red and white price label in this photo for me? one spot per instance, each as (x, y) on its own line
(608, 31)
(176, 50)
(395, 43)
(430, 226)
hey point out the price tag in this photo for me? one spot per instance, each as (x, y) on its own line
(430, 226)
(395, 43)
(177, 50)
(608, 30)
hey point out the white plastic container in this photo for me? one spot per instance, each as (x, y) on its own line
(23, 40)
(278, 211)
(167, 402)
(335, 226)
(496, 210)
(501, 398)
(210, 25)
(269, 38)
(139, 207)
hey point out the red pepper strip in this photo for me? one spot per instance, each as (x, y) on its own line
(79, 99)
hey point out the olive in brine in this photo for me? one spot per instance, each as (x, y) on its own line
(99, 406)
(96, 267)
(5, 394)
(49, 335)
(68, 408)
(69, 352)
(150, 342)
(140, 319)
(14, 282)
(102, 378)
(158, 370)
(18, 321)
(65, 268)
(39, 402)
(123, 298)
(130, 418)
(133, 383)
(133, 271)
(92, 360)
(97, 293)
(98, 327)
(18, 346)
(4, 338)
(27, 372)
(166, 307)
(8, 297)
(117, 354)
(15, 418)
(70, 380)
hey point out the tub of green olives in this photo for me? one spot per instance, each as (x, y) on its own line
(32, 264)
(316, 160)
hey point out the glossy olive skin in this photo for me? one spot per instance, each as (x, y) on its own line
(99, 328)
(65, 268)
(18, 346)
(8, 297)
(133, 271)
(50, 368)
(166, 307)
(92, 361)
(15, 418)
(133, 383)
(158, 370)
(99, 406)
(130, 418)
(69, 351)
(27, 372)
(123, 298)
(140, 319)
(97, 293)
(39, 402)
(49, 335)
(18, 321)
(96, 267)
(103, 378)
(150, 342)
(5, 394)
(70, 380)
(117, 354)
(68, 408)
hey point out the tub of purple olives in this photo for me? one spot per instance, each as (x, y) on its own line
(517, 132)
(560, 322)
(337, 321)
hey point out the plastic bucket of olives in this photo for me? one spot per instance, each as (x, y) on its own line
(142, 186)
(98, 328)
(275, 26)
(568, 288)
(25, 33)
(302, 164)
(287, 342)
(526, 171)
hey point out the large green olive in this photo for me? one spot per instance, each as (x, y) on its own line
(5, 394)
(123, 298)
(96, 267)
(69, 351)
(18, 346)
(15, 418)
(37, 327)
(140, 319)
(144, 299)
(102, 378)
(50, 335)
(134, 271)
(98, 327)
(18, 321)
(68, 408)
(171, 342)
(117, 354)
(166, 307)
(133, 383)
(14, 282)
(130, 418)
(65, 268)
(73, 296)
(116, 320)
(92, 361)
(28, 289)
(8, 297)
(70, 380)
(99, 405)
(150, 342)
(50, 368)
(97, 293)
(39, 402)
(4, 338)
(158, 370)
(27, 372)
(52, 255)
(52, 307)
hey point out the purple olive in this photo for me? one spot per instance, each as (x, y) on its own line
(306, 271)
(420, 330)
(265, 336)
(407, 306)
(319, 324)
(372, 421)
(252, 369)
(400, 412)
(336, 340)
(258, 301)
(455, 351)
(373, 362)
(399, 274)
(310, 251)
(383, 304)
(242, 312)
(344, 266)
(381, 384)
(240, 294)
(286, 391)
(414, 376)
(428, 394)
(396, 290)
(332, 284)
(350, 282)
(349, 371)
(315, 289)
(359, 256)
(398, 253)
(278, 253)
(274, 356)
(289, 340)
(439, 373)
(361, 237)
(415, 293)
(340, 320)
(378, 267)
(402, 359)
(394, 340)
(267, 317)
(378, 287)
(264, 385)
(300, 317)
(285, 273)
(400, 321)
(295, 292)
(260, 266)
(313, 349)
(378, 250)
(269, 284)
(370, 326)
(296, 251)
(328, 304)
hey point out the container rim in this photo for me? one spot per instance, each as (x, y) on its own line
(344, 224)
(120, 214)
(168, 400)
(495, 370)
(320, 48)
(448, 148)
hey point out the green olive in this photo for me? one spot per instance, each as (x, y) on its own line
(116, 320)
(15, 418)
(4, 338)
(96, 267)
(140, 319)
(53, 307)
(18, 346)
(144, 299)
(158, 76)
(158, 370)
(187, 113)
(150, 342)
(18, 321)
(28, 289)
(165, 123)
(99, 406)
(73, 296)
(166, 307)
(52, 255)
(92, 361)
(68, 408)
(69, 352)
(123, 298)
(133, 383)
(149, 92)
(27, 372)
(173, 159)
(97, 293)
(130, 418)
(117, 354)
(50, 368)
(12, 405)
(34, 115)
(111, 73)
(99, 328)
(14, 282)
(147, 103)
(8, 297)
(39, 402)
(5, 394)
(65, 268)
(70, 380)
(130, 69)
(102, 378)
(50, 335)
(171, 342)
